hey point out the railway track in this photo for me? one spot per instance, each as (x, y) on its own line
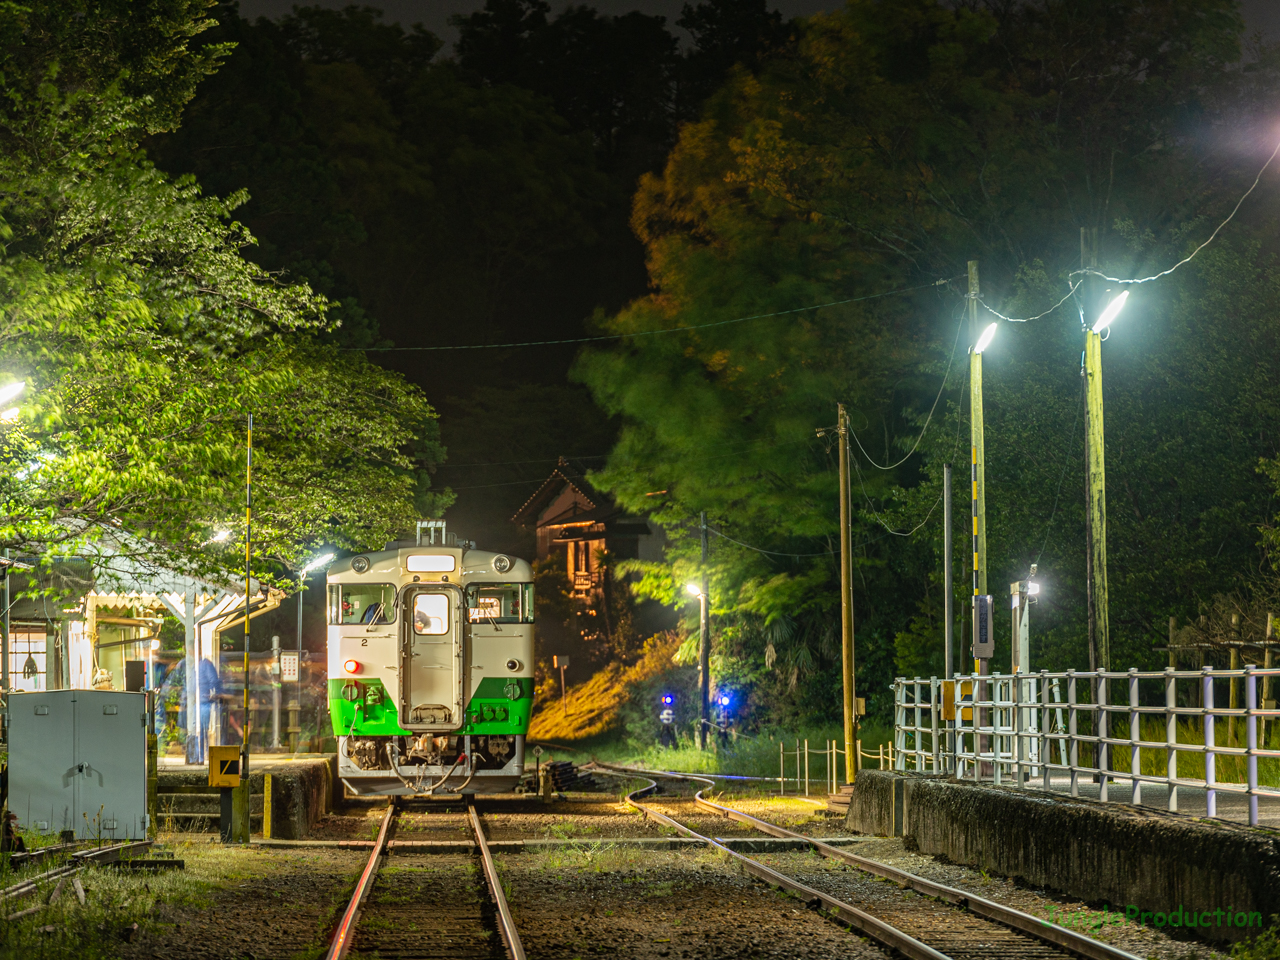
(916, 917)
(428, 906)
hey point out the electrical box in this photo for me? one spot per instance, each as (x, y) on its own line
(224, 766)
(984, 641)
(78, 762)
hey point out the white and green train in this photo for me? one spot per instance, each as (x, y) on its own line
(430, 669)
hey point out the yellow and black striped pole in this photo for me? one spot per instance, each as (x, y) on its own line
(248, 547)
(977, 457)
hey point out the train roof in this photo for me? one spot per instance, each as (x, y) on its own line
(468, 565)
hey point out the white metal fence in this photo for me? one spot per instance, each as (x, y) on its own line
(1023, 728)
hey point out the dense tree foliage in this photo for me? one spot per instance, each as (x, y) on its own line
(892, 143)
(146, 338)
(473, 199)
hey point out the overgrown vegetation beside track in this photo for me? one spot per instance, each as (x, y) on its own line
(744, 756)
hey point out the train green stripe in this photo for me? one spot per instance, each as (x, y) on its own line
(499, 706)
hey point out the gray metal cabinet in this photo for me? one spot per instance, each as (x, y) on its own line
(78, 761)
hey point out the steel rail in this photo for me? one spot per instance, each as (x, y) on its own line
(343, 936)
(988, 909)
(1006, 916)
(506, 925)
(876, 929)
(77, 862)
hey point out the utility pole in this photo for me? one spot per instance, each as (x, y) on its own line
(846, 604)
(948, 615)
(704, 645)
(1095, 479)
(982, 607)
(979, 497)
(248, 570)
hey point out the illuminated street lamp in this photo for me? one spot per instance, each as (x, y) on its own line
(704, 657)
(7, 393)
(1095, 480)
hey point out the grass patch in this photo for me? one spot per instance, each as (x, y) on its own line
(114, 901)
(756, 755)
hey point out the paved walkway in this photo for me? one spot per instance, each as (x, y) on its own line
(1233, 807)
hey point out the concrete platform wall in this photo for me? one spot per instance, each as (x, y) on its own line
(301, 792)
(1098, 852)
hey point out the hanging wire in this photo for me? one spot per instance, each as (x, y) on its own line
(777, 553)
(653, 333)
(925, 429)
(1212, 236)
(897, 533)
(1090, 271)
(1070, 294)
(772, 553)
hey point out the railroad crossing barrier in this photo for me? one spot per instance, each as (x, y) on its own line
(1019, 728)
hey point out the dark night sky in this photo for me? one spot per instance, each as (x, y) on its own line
(434, 14)
(1263, 15)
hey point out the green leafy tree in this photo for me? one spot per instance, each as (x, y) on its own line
(146, 338)
(892, 143)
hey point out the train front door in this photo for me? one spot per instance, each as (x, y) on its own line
(434, 663)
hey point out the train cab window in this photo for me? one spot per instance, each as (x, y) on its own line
(430, 614)
(370, 603)
(500, 603)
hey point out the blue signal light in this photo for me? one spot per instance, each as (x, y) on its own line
(667, 698)
(724, 701)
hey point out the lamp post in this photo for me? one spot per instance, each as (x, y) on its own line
(323, 560)
(7, 393)
(978, 485)
(704, 658)
(1099, 630)
(982, 649)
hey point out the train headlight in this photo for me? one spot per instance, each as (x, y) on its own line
(351, 666)
(514, 665)
(501, 564)
(360, 565)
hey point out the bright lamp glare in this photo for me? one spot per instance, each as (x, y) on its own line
(694, 589)
(724, 701)
(984, 341)
(221, 535)
(319, 561)
(10, 414)
(1033, 588)
(155, 643)
(1112, 311)
(11, 391)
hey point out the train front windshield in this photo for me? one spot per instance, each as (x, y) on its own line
(362, 603)
(500, 603)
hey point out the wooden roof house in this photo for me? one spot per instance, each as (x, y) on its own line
(568, 514)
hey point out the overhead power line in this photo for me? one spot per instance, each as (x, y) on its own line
(1191, 256)
(653, 333)
(1090, 271)
(928, 419)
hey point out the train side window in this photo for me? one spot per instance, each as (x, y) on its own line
(370, 603)
(430, 614)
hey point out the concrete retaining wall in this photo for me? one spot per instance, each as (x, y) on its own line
(302, 791)
(1098, 852)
